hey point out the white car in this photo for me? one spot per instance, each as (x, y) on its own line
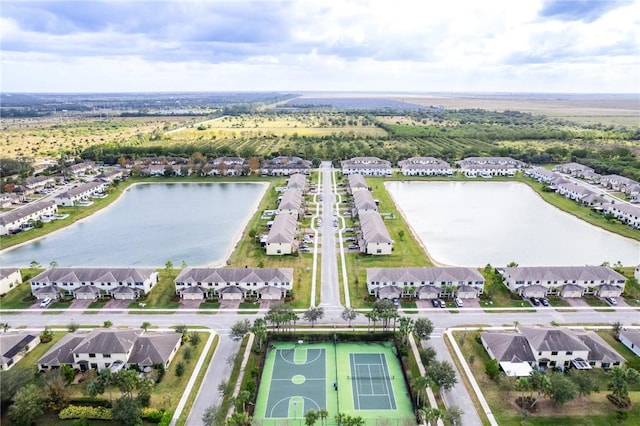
(46, 302)
(459, 303)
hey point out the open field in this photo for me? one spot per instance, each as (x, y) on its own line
(48, 138)
(587, 109)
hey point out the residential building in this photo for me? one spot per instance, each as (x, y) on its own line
(617, 183)
(567, 281)
(36, 183)
(9, 277)
(624, 212)
(574, 191)
(427, 283)
(374, 237)
(110, 175)
(291, 203)
(8, 199)
(114, 349)
(631, 339)
(489, 166)
(250, 282)
(425, 166)
(80, 169)
(298, 182)
(229, 166)
(549, 347)
(542, 175)
(119, 283)
(21, 217)
(281, 238)
(357, 183)
(82, 192)
(366, 166)
(574, 169)
(363, 203)
(285, 166)
(15, 345)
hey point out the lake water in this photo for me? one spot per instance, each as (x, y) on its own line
(150, 224)
(475, 223)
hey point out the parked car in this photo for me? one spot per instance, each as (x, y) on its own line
(435, 303)
(46, 302)
(442, 303)
(459, 302)
(544, 301)
(354, 247)
(534, 301)
(396, 302)
(611, 301)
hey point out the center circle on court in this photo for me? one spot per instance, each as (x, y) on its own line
(298, 379)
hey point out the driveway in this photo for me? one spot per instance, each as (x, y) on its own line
(80, 303)
(266, 304)
(229, 304)
(190, 304)
(576, 301)
(117, 304)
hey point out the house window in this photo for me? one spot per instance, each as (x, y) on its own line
(554, 353)
(106, 355)
(92, 355)
(569, 352)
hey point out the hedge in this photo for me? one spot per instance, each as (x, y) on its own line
(77, 412)
(152, 415)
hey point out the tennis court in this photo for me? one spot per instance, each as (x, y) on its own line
(358, 379)
(371, 382)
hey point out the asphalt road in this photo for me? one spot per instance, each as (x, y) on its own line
(330, 287)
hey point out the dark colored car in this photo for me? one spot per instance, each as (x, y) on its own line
(544, 301)
(534, 301)
(435, 303)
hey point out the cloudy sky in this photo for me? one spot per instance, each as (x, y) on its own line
(320, 45)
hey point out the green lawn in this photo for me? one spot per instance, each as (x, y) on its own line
(594, 410)
(162, 295)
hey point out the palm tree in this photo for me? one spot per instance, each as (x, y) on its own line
(323, 414)
(5, 326)
(433, 414)
(419, 385)
(145, 326)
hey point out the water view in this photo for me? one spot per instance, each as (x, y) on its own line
(149, 225)
(475, 223)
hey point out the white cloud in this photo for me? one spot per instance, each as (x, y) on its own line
(403, 45)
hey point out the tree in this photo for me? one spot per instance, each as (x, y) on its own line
(539, 382)
(240, 328)
(492, 369)
(28, 404)
(432, 415)
(56, 390)
(419, 385)
(310, 418)
(619, 380)
(561, 389)
(126, 410)
(616, 328)
(35, 264)
(168, 265)
(5, 326)
(145, 325)
(427, 355)
(423, 327)
(179, 369)
(442, 374)
(239, 419)
(406, 328)
(211, 415)
(47, 335)
(182, 329)
(194, 338)
(72, 327)
(259, 330)
(349, 314)
(385, 311)
(453, 415)
(12, 380)
(127, 382)
(107, 324)
(278, 314)
(585, 381)
(323, 414)
(313, 314)
(372, 316)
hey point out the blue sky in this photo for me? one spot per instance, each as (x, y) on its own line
(320, 45)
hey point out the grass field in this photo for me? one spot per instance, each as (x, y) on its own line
(49, 137)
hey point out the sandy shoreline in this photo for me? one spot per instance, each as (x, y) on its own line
(413, 232)
(216, 263)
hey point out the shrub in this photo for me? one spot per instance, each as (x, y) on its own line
(77, 412)
(152, 415)
(87, 401)
(179, 369)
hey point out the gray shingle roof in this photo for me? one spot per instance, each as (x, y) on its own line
(283, 229)
(5, 272)
(108, 341)
(62, 352)
(241, 275)
(418, 275)
(357, 182)
(363, 200)
(291, 200)
(153, 348)
(509, 347)
(13, 343)
(599, 350)
(562, 273)
(297, 181)
(81, 189)
(632, 335)
(94, 274)
(552, 339)
(25, 211)
(374, 229)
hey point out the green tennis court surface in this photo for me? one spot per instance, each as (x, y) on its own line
(358, 379)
